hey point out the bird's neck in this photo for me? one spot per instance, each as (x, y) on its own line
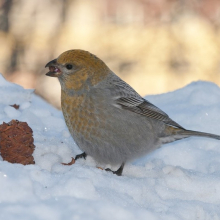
(81, 83)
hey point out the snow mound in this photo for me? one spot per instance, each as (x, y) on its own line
(178, 181)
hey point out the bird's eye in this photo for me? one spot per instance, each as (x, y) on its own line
(69, 66)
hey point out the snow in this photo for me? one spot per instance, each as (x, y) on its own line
(178, 181)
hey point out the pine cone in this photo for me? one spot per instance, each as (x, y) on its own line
(16, 142)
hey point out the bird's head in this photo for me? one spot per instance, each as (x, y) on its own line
(77, 68)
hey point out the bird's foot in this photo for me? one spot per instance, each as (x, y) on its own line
(83, 155)
(117, 172)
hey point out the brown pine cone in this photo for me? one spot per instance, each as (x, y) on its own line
(16, 142)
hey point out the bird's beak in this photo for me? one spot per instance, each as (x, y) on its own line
(54, 70)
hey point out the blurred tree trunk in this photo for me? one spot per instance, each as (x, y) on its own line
(5, 7)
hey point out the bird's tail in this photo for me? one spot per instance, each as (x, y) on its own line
(172, 134)
(199, 134)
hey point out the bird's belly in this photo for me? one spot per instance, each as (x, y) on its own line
(111, 136)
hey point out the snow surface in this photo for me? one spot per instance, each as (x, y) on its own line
(181, 180)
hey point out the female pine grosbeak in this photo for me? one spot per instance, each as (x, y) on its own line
(108, 119)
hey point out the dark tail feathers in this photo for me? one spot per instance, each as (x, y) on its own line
(198, 133)
(171, 134)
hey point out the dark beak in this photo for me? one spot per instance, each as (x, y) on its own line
(54, 70)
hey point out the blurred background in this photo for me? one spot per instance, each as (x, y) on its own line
(154, 45)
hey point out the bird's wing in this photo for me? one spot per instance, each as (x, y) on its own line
(130, 100)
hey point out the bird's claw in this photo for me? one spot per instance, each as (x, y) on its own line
(117, 172)
(79, 156)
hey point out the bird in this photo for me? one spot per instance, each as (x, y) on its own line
(106, 117)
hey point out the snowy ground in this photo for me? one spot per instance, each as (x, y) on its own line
(178, 181)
